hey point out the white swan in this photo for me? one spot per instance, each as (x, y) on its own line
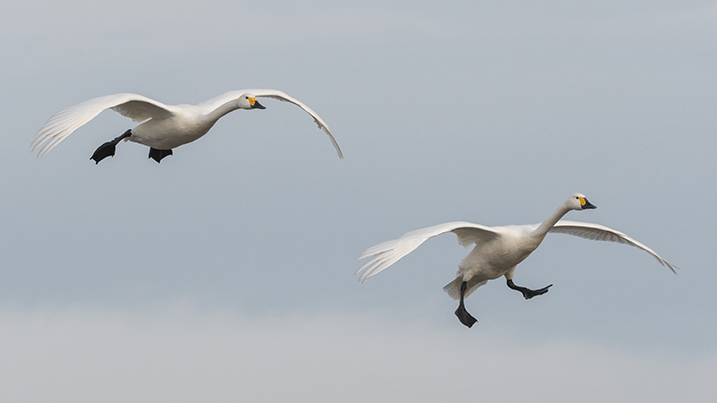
(498, 250)
(165, 126)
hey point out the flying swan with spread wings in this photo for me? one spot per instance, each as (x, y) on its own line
(163, 127)
(497, 252)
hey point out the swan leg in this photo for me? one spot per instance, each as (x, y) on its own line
(527, 292)
(157, 155)
(461, 312)
(108, 149)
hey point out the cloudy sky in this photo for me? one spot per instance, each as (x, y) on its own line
(225, 273)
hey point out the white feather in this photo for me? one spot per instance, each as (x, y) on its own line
(597, 232)
(388, 253)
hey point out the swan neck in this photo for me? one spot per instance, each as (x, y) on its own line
(222, 110)
(546, 225)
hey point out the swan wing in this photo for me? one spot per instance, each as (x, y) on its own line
(599, 232)
(66, 121)
(214, 103)
(387, 253)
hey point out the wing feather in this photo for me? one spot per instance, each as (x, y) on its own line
(66, 121)
(597, 232)
(212, 104)
(387, 253)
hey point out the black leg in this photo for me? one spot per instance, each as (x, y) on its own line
(157, 155)
(108, 149)
(461, 312)
(527, 292)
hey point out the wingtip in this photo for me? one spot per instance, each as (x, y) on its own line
(667, 264)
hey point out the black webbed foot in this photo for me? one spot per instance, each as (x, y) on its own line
(465, 318)
(105, 150)
(108, 149)
(157, 155)
(527, 292)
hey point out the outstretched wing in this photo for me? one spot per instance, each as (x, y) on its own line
(387, 253)
(212, 104)
(597, 232)
(66, 121)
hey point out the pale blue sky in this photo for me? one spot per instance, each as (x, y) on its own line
(193, 271)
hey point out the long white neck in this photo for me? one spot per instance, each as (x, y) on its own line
(543, 229)
(222, 110)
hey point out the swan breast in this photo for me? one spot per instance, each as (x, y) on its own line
(181, 128)
(494, 258)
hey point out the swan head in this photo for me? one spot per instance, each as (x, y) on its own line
(578, 201)
(249, 101)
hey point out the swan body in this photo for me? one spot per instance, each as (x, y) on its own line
(497, 251)
(164, 127)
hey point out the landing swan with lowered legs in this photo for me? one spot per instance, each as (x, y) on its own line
(497, 252)
(164, 127)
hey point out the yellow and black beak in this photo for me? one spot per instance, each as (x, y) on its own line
(585, 204)
(255, 104)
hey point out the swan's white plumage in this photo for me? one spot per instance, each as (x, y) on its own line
(498, 249)
(597, 232)
(140, 109)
